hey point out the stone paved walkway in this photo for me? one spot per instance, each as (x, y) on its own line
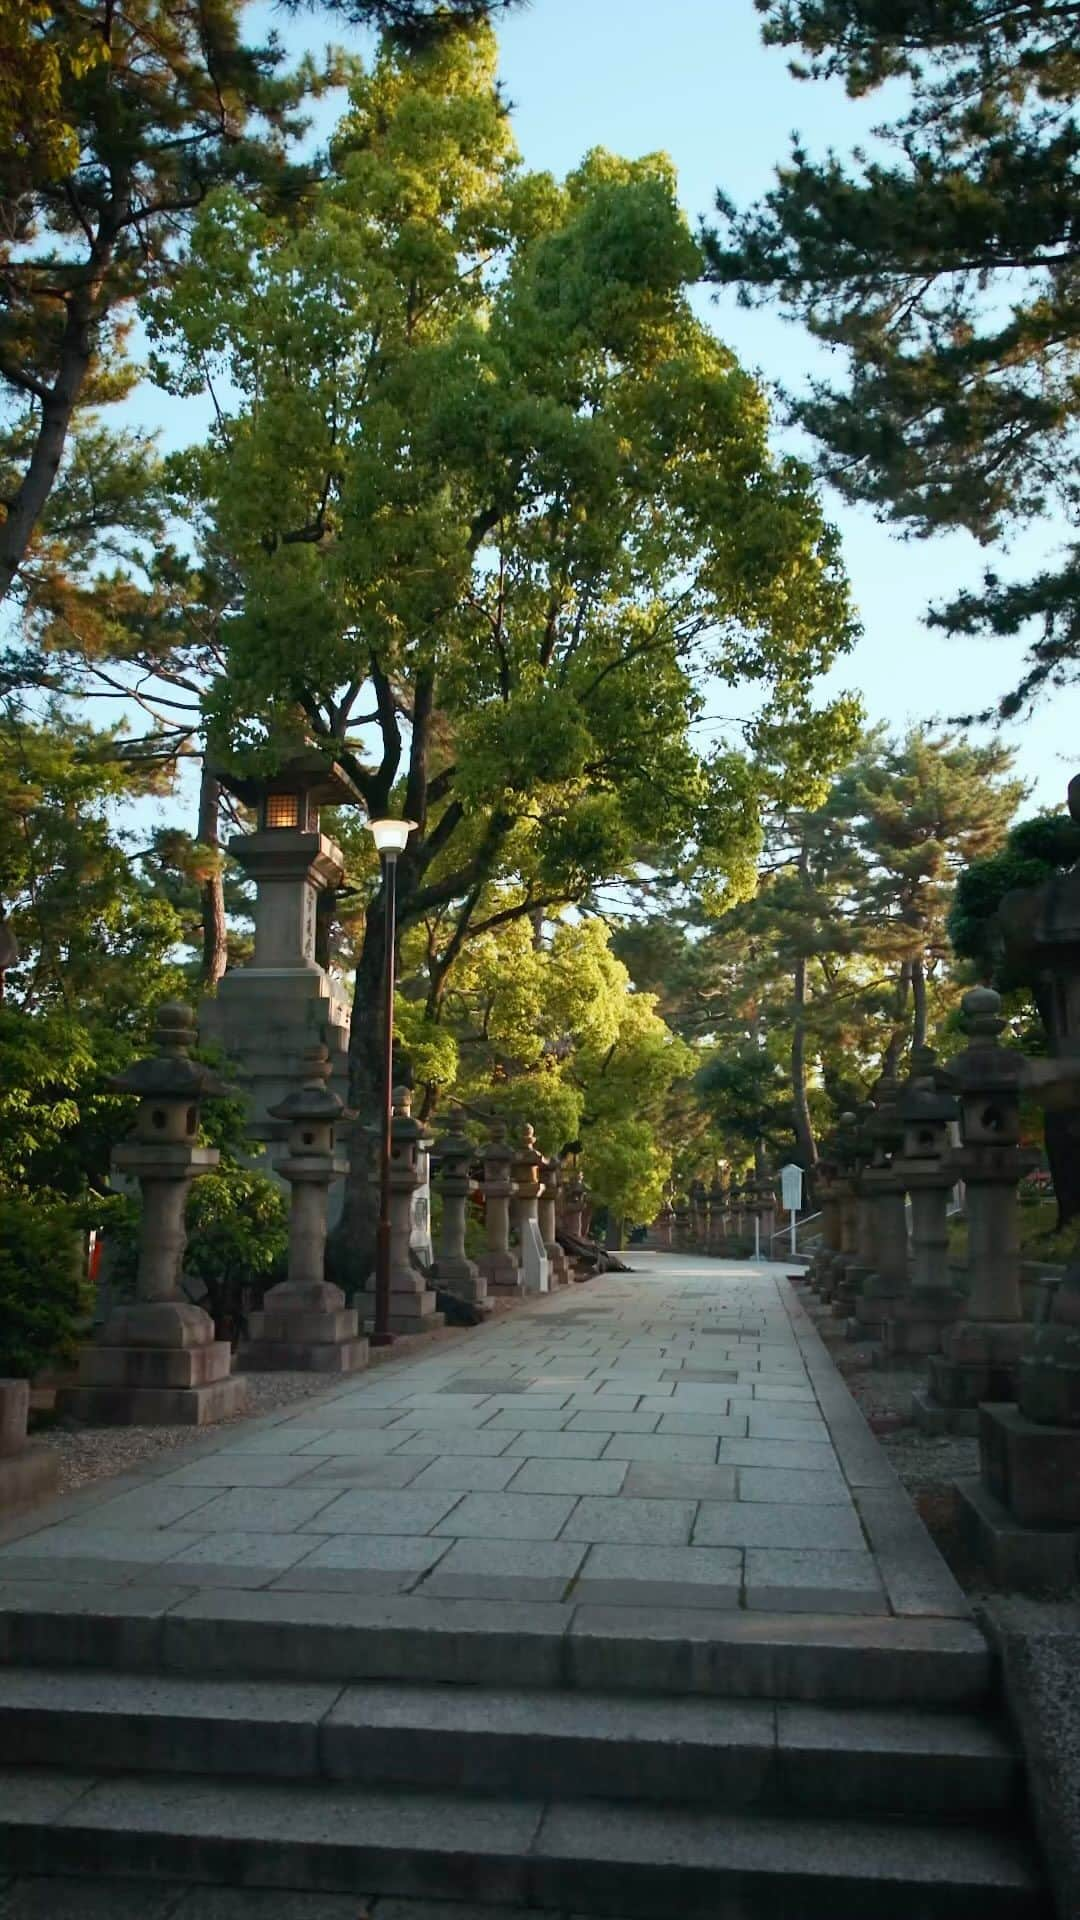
(674, 1437)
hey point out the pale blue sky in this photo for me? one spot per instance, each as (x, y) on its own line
(691, 77)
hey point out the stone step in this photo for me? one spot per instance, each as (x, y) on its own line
(877, 1762)
(868, 1660)
(641, 1862)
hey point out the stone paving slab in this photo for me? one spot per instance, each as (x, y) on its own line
(679, 1437)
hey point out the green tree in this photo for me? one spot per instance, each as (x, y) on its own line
(501, 508)
(945, 273)
(117, 118)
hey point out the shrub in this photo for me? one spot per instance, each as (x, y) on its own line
(45, 1296)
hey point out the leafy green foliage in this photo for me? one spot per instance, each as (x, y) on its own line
(499, 510)
(44, 1295)
(945, 274)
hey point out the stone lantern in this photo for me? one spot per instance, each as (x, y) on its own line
(699, 1223)
(980, 1358)
(547, 1219)
(766, 1212)
(156, 1361)
(844, 1163)
(304, 1323)
(266, 1012)
(497, 1263)
(717, 1204)
(859, 1257)
(827, 1186)
(1022, 1516)
(454, 1154)
(412, 1301)
(682, 1223)
(525, 1173)
(916, 1319)
(883, 1186)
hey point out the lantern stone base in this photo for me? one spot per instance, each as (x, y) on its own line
(410, 1311)
(1032, 1470)
(916, 1325)
(155, 1363)
(304, 1329)
(27, 1477)
(931, 1416)
(463, 1278)
(502, 1274)
(29, 1472)
(980, 1361)
(1031, 1559)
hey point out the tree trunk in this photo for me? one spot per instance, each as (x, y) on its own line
(805, 1143)
(918, 989)
(352, 1251)
(215, 946)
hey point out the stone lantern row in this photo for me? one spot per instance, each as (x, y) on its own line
(157, 1359)
(721, 1219)
(991, 1373)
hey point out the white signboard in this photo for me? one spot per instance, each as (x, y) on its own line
(791, 1179)
(535, 1270)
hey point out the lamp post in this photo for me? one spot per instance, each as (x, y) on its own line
(390, 837)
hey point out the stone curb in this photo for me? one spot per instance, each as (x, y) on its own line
(915, 1576)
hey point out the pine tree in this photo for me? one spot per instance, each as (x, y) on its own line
(946, 275)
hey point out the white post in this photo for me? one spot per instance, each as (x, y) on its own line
(757, 1236)
(793, 1233)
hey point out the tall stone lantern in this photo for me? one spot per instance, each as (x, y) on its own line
(528, 1189)
(860, 1260)
(717, 1205)
(454, 1155)
(916, 1319)
(267, 1013)
(412, 1301)
(156, 1361)
(883, 1186)
(497, 1263)
(548, 1218)
(980, 1358)
(304, 1323)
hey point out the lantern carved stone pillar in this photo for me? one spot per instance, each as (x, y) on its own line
(860, 1254)
(304, 1323)
(884, 1187)
(1022, 1516)
(267, 1013)
(980, 1357)
(548, 1217)
(454, 1154)
(412, 1301)
(916, 1319)
(525, 1173)
(497, 1263)
(156, 1361)
(717, 1202)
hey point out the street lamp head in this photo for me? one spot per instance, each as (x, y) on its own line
(390, 836)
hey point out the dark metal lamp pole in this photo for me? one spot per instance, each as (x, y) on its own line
(390, 837)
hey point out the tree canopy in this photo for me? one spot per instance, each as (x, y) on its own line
(944, 270)
(498, 510)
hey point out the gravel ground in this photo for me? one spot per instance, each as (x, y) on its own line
(96, 1453)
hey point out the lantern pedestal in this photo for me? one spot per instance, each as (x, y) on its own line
(155, 1363)
(980, 1360)
(306, 1329)
(28, 1471)
(917, 1324)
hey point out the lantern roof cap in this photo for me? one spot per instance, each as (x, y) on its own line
(454, 1144)
(170, 1073)
(312, 1099)
(308, 770)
